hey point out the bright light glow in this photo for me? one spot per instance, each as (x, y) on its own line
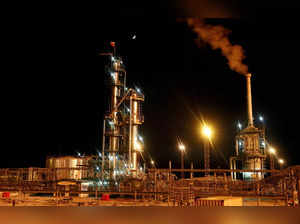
(112, 58)
(261, 118)
(181, 147)
(239, 125)
(152, 162)
(113, 75)
(141, 138)
(272, 150)
(134, 36)
(79, 154)
(281, 161)
(138, 90)
(207, 131)
(138, 146)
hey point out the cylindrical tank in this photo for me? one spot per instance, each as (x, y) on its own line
(65, 164)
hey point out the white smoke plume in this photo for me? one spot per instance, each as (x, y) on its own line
(217, 38)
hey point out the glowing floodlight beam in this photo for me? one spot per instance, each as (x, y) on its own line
(141, 138)
(138, 146)
(272, 150)
(134, 37)
(261, 118)
(281, 161)
(113, 75)
(207, 132)
(181, 147)
(239, 125)
(152, 162)
(138, 90)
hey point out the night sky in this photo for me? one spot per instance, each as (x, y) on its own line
(56, 106)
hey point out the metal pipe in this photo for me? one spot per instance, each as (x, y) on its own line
(234, 167)
(130, 134)
(182, 165)
(206, 156)
(230, 161)
(170, 168)
(249, 100)
(237, 146)
(103, 146)
(135, 134)
(272, 164)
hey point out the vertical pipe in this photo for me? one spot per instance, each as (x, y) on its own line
(182, 165)
(249, 100)
(135, 135)
(191, 173)
(170, 169)
(206, 156)
(103, 148)
(130, 134)
(234, 167)
(237, 146)
(231, 167)
(272, 165)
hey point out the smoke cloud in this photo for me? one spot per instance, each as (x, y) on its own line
(217, 38)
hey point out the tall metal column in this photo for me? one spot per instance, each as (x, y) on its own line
(182, 164)
(206, 156)
(272, 163)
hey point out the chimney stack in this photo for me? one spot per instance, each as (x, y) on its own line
(249, 100)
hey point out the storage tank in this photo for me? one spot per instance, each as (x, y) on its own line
(69, 167)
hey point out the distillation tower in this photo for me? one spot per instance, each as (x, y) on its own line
(122, 143)
(250, 146)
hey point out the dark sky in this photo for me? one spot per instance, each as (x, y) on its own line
(56, 102)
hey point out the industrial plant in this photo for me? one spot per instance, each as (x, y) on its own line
(118, 171)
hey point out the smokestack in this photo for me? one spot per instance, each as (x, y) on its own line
(249, 100)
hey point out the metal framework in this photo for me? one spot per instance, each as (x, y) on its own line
(159, 184)
(122, 121)
(250, 145)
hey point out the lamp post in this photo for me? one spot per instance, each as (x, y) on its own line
(281, 162)
(272, 152)
(182, 149)
(152, 162)
(207, 133)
